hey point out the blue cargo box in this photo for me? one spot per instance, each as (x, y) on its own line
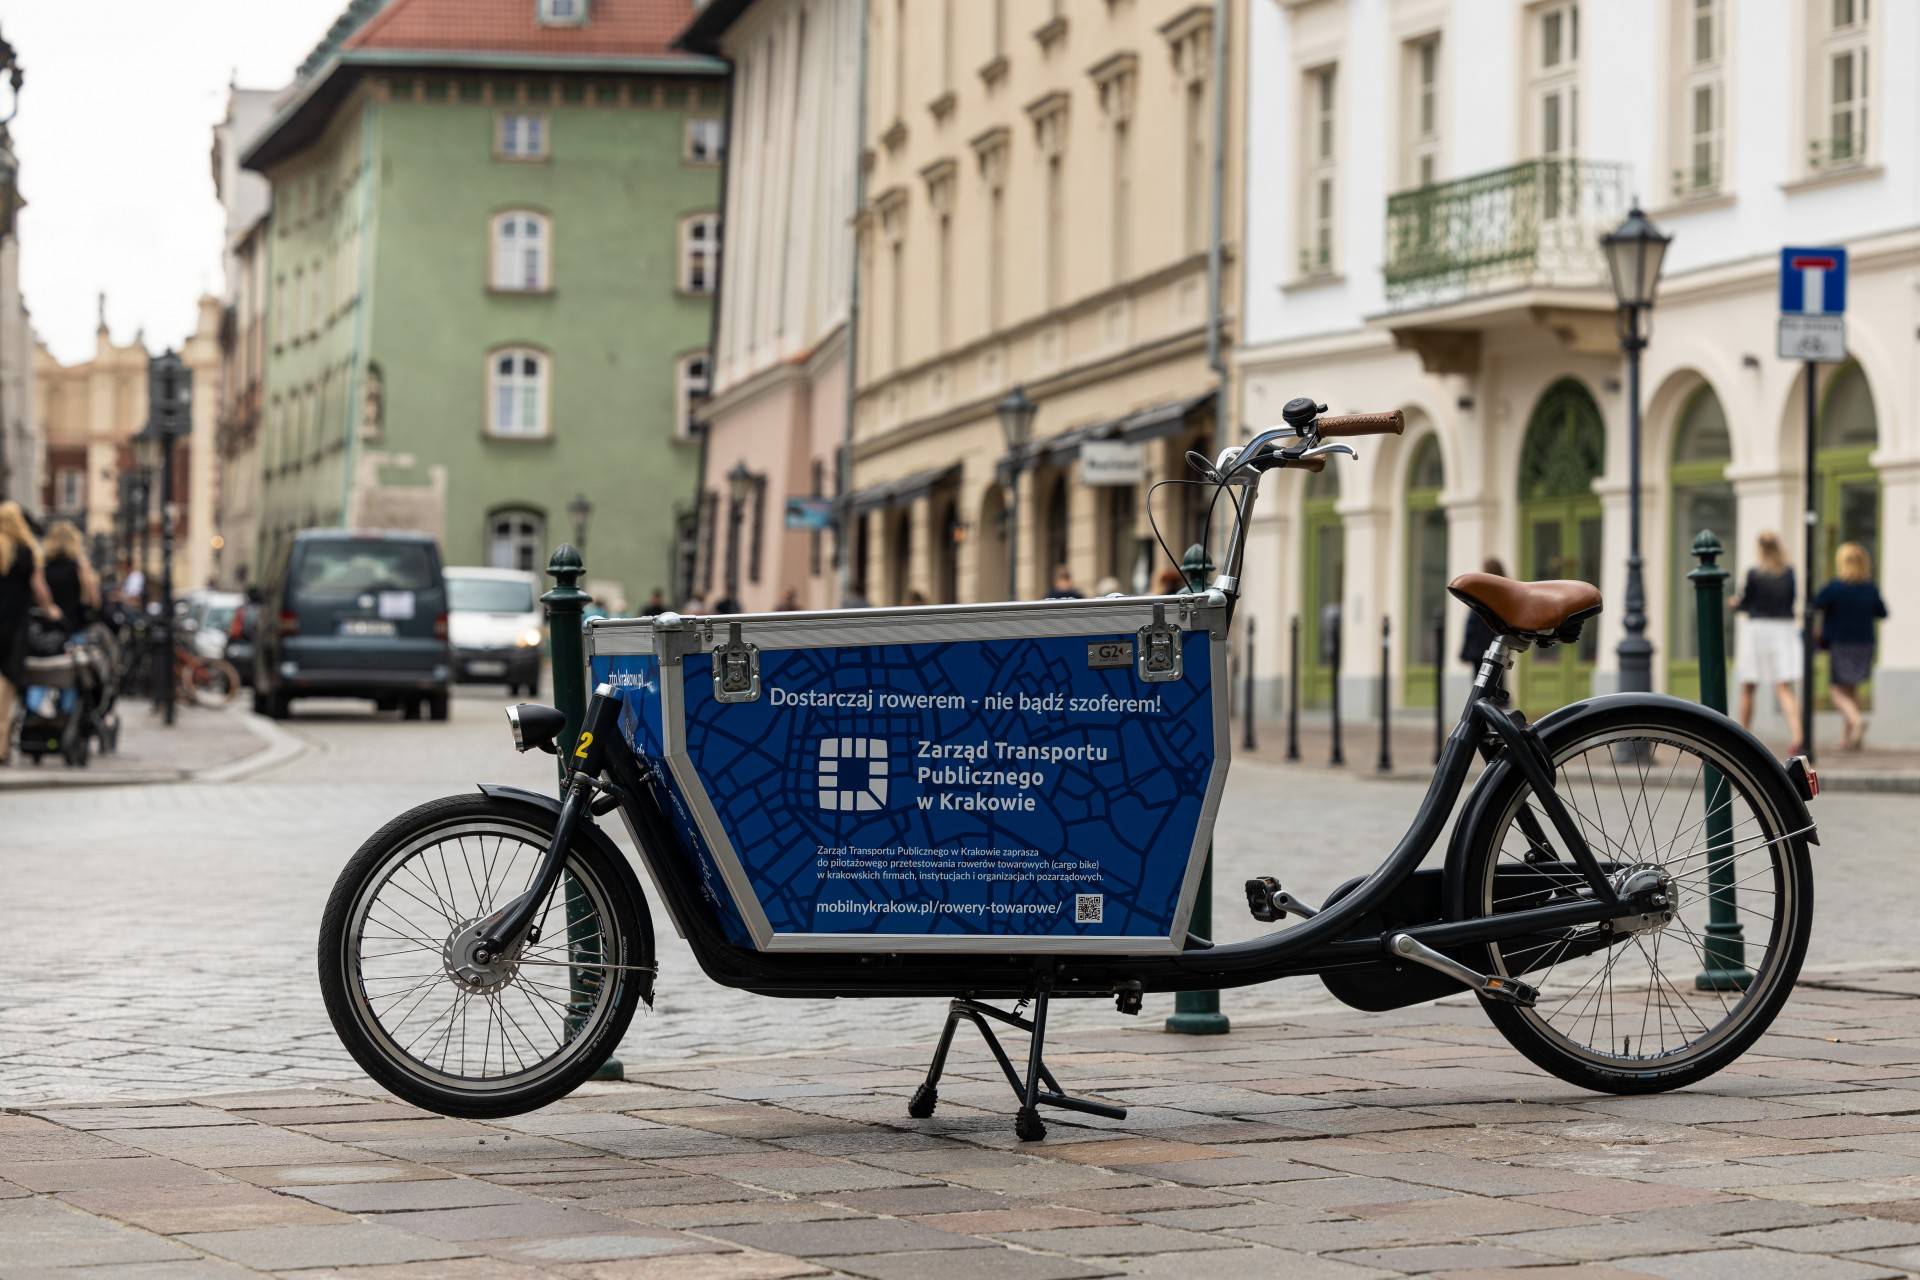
(1007, 778)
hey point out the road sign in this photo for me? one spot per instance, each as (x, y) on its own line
(810, 513)
(1813, 304)
(1112, 462)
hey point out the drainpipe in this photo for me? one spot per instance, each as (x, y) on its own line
(361, 313)
(843, 465)
(1223, 417)
(690, 557)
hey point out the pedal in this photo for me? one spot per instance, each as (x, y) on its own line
(1127, 998)
(1267, 901)
(1505, 990)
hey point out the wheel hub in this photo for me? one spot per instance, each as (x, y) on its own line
(1648, 891)
(470, 965)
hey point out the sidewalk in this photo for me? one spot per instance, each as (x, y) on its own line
(1877, 768)
(202, 745)
(1343, 1146)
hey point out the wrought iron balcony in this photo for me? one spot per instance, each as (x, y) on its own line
(1534, 223)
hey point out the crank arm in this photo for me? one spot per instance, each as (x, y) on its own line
(1505, 990)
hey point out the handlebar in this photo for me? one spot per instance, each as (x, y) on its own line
(1362, 424)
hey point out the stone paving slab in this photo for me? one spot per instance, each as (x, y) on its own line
(1347, 1147)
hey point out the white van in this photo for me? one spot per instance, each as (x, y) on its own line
(497, 628)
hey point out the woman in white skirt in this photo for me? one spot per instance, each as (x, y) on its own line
(1768, 649)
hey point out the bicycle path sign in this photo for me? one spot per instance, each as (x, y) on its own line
(1813, 304)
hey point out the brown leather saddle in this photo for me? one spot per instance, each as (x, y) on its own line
(1543, 612)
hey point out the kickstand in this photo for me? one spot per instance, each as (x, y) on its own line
(1026, 1121)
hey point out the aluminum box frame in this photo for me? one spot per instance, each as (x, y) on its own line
(671, 637)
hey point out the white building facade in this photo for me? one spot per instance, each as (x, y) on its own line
(1430, 202)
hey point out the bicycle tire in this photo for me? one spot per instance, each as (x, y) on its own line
(1748, 769)
(374, 1046)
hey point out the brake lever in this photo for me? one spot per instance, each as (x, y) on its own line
(1322, 450)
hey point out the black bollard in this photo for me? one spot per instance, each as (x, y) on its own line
(1330, 623)
(1247, 740)
(1439, 682)
(1385, 763)
(1293, 689)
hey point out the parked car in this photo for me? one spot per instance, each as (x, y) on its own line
(241, 636)
(210, 617)
(496, 627)
(355, 614)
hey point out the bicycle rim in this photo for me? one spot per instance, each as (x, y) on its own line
(430, 1024)
(1652, 802)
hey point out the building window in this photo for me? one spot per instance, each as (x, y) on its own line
(1050, 134)
(521, 137)
(706, 140)
(699, 252)
(562, 13)
(1554, 80)
(1198, 188)
(516, 539)
(692, 379)
(1840, 133)
(517, 380)
(1699, 119)
(1323, 171)
(520, 257)
(1420, 123)
(71, 490)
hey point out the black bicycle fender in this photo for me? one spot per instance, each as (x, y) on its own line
(551, 806)
(1570, 721)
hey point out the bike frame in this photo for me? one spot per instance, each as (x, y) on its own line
(605, 775)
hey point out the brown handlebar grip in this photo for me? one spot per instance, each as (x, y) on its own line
(1362, 424)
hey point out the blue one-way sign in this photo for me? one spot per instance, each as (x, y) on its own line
(1813, 303)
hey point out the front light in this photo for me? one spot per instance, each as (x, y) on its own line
(529, 639)
(513, 719)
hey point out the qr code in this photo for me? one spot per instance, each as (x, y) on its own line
(1089, 908)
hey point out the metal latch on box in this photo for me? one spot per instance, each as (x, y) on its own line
(1157, 654)
(736, 669)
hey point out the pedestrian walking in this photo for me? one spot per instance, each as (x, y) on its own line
(789, 601)
(75, 589)
(1849, 606)
(1063, 588)
(22, 586)
(1477, 634)
(1768, 649)
(656, 604)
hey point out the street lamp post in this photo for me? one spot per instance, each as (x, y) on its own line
(739, 490)
(582, 511)
(1016, 412)
(1635, 250)
(169, 400)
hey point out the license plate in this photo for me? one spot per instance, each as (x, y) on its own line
(487, 668)
(366, 627)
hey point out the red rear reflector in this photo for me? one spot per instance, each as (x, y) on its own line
(1813, 780)
(289, 623)
(236, 628)
(440, 626)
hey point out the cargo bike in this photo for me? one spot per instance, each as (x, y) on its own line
(1012, 804)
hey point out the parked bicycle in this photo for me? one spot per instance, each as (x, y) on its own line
(203, 681)
(1013, 802)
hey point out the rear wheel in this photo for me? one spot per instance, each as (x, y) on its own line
(1669, 797)
(213, 682)
(479, 1040)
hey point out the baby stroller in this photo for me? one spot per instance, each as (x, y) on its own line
(68, 702)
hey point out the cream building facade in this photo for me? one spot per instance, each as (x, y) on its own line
(244, 202)
(1040, 211)
(777, 374)
(1430, 204)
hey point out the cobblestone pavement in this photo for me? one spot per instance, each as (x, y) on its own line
(1342, 1146)
(169, 930)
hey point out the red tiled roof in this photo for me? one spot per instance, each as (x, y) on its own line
(614, 28)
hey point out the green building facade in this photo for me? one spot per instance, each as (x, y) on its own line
(490, 282)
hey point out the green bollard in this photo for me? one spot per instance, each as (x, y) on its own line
(1726, 954)
(566, 605)
(1197, 1013)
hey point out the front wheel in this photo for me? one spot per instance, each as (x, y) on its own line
(1665, 795)
(465, 1039)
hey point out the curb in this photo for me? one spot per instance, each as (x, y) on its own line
(277, 747)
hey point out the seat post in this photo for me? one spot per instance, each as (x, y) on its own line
(1495, 663)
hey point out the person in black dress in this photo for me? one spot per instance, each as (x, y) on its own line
(22, 586)
(1478, 635)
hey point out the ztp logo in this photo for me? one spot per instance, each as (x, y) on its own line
(861, 786)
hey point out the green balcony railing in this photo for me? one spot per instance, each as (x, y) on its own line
(1537, 222)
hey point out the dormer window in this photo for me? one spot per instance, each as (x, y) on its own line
(562, 13)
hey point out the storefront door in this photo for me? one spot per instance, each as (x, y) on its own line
(1560, 532)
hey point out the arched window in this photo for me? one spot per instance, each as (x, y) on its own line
(1560, 527)
(520, 257)
(516, 539)
(1426, 572)
(1702, 500)
(517, 381)
(1846, 488)
(1323, 548)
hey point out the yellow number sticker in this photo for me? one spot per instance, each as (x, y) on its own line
(586, 740)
